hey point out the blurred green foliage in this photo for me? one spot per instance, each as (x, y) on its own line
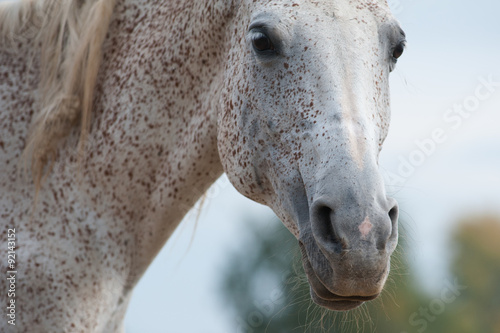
(266, 288)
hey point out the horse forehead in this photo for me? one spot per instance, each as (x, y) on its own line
(339, 8)
(376, 7)
(340, 4)
(350, 16)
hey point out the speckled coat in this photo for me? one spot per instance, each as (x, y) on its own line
(181, 97)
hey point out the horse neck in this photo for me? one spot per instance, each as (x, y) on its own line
(151, 153)
(155, 128)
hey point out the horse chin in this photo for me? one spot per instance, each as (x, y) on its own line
(339, 305)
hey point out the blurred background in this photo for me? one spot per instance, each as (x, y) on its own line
(235, 269)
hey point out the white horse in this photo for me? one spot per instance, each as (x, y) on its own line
(128, 112)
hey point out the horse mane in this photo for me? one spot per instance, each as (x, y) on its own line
(70, 34)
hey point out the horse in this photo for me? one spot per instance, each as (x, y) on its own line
(117, 115)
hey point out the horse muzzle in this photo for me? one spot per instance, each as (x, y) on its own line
(346, 251)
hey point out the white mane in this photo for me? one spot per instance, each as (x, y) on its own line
(70, 34)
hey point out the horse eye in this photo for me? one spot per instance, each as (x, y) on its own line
(261, 42)
(398, 50)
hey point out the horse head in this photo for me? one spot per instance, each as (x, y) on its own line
(305, 111)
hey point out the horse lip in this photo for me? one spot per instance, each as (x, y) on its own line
(333, 301)
(322, 295)
(336, 298)
(325, 294)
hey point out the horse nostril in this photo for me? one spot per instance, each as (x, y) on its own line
(324, 229)
(393, 214)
